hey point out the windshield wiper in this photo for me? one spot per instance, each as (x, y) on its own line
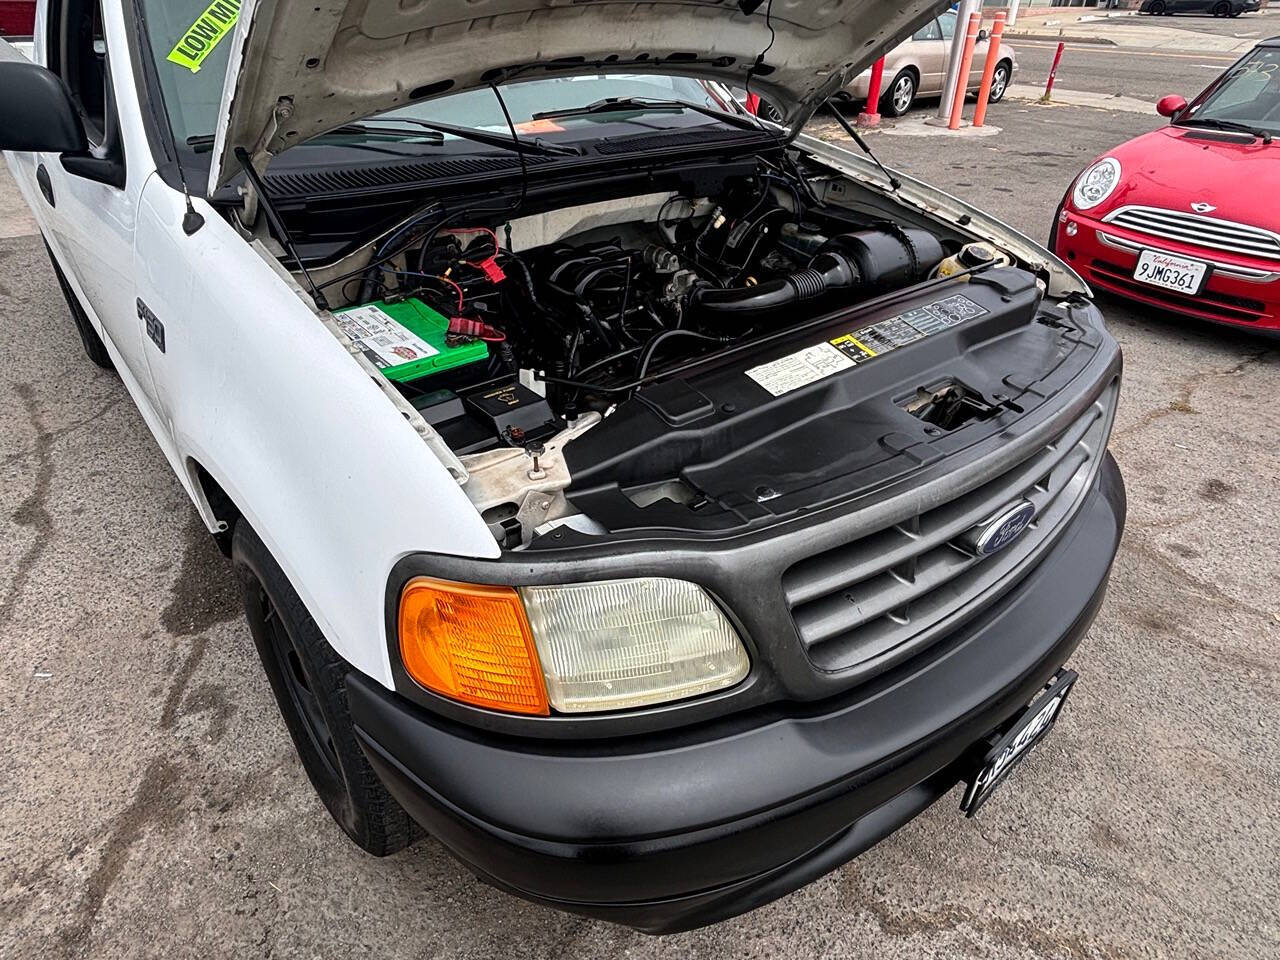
(503, 140)
(205, 142)
(630, 104)
(202, 143)
(1226, 125)
(430, 136)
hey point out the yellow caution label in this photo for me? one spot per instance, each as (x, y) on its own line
(850, 338)
(206, 33)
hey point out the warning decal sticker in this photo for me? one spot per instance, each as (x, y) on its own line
(206, 33)
(801, 368)
(823, 359)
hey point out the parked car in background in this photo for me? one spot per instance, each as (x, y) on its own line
(917, 68)
(1219, 8)
(1187, 217)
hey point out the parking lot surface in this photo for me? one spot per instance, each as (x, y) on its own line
(151, 804)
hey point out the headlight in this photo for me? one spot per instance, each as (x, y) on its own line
(1096, 183)
(576, 648)
(630, 643)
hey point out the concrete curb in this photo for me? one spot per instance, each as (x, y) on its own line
(1029, 93)
(1055, 37)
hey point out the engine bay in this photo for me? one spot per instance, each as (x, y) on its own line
(517, 336)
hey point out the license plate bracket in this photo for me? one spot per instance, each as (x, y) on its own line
(1031, 726)
(1170, 271)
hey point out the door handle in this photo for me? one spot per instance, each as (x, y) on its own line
(45, 185)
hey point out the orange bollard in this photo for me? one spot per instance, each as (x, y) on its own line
(962, 78)
(993, 54)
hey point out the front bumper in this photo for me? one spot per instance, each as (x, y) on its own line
(678, 829)
(1239, 291)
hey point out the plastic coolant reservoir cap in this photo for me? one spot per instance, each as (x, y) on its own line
(975, 255)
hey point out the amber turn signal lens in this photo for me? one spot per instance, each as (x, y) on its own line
(471, 643)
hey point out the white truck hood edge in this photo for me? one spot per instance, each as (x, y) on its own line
(299, 69)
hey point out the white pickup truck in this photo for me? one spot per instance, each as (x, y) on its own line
(657, 505)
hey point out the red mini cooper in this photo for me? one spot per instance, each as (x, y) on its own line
(1187, 217)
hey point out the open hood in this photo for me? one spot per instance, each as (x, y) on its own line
(299, 69)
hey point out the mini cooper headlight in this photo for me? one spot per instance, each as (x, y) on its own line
(576, 648)
(1096, 183)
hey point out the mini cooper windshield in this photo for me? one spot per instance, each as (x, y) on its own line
(1246, 98)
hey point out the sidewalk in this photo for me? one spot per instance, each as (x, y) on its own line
(1126, 29)
(1031, 93)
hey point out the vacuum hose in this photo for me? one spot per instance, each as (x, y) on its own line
(872, 261)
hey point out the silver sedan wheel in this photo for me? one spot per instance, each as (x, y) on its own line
(998, 84)
(903, 93)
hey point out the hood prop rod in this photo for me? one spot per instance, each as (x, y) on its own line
(852, 131)
(277, 224)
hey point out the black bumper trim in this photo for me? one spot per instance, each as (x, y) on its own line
(666, 834)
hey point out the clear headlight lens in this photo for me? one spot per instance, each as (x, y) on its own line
(615, 644)
(1096, 183)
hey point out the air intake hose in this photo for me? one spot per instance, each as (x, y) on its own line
(872, 261)
(826, 271)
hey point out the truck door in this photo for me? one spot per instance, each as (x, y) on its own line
(89, 203)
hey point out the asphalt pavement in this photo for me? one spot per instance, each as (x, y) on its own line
(151, 804)
(1139, 56)
(1120, 71)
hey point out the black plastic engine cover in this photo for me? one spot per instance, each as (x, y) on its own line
(744, 439)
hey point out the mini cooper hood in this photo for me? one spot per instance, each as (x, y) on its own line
(1176, 166)
(300, 69)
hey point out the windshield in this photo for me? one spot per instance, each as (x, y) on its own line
(1248, 93)
(191, 43)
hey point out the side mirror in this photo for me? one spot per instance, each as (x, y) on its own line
(1171, 105)
(983, 35)
(36, 113)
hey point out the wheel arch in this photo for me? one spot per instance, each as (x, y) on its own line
(218, 505)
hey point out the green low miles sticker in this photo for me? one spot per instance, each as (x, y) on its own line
(206, 33)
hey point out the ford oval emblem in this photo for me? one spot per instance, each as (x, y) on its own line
(1002, 529)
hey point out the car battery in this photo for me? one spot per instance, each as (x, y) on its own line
(406, 339)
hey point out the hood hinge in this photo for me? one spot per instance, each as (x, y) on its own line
(264, 149)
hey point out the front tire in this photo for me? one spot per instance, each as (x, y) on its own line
(309, 682)
(902, 93)
(1222, 10)
(1157, 9)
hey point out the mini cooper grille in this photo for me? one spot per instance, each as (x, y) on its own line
(873, 602)
(1224, 306)
(1201, 231)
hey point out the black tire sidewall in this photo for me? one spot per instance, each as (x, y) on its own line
(887, 107)
(355, 798)
(1008, 75)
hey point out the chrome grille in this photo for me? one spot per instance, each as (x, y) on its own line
(874, 601)
(1201, 231)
